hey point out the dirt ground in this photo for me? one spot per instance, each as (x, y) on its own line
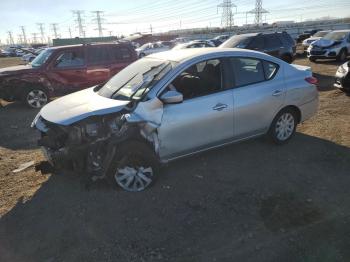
(251, 201)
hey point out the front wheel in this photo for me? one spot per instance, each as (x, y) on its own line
(35, 97)
(135, 167)
(283, 126)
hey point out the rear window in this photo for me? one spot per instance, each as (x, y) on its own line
(121, 53)
(272, 41)
(98, 55)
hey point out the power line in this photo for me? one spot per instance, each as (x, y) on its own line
(41, 29)
(10, 37)
(55, 29)
(35, 38)
(24, 35)
(98, 20)
(227, 16)
(258, 11)
(79, 21)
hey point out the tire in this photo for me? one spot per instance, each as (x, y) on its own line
(342, 55)
(35, 97)
(287, 58)
(135, 167)
(283, 126)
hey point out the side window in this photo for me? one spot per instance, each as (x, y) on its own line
(70, 58)
(270, 69)
(247, 71)
(97, 55)
(199, 79)
(121, 53)
(257, 43)
(272, 41)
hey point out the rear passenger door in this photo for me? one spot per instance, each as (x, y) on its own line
(98, 64)
(258, 95)
(121, 58)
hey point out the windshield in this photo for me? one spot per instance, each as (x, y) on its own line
(321, 34)
(42, 58)
(240, 41)
(136, 80)
(335, 36)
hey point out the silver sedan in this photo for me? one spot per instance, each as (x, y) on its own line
(172, 104)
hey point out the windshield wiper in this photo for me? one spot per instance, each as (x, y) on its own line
(123, 85)
(151, 80)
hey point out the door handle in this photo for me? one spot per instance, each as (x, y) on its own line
(277, 93)
(219, 107)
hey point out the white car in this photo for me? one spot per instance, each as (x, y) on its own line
(306, 43)
(151, 48)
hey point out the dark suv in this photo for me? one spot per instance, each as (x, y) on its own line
(61, 70)
(280, 45)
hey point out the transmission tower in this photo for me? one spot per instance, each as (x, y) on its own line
(55, 29)
(41, 29)
(35, 38)
(227, 15)
(10, 38)
(19, 39)
(80, 21)
(98, 20)
(70, 32)
(258, 11)
(24, 35)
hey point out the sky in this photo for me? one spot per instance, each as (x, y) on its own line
(121, 17)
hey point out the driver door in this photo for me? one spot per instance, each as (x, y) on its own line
(204, 119)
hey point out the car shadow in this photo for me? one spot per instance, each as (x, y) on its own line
(222, 204)
(325, 82)
(15, 122)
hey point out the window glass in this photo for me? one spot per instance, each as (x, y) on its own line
(272, 41)
(121, 53)
(247, 71)
(70, 59)
(257, 43)
(270, 69)
(200, 79)
(98, 55)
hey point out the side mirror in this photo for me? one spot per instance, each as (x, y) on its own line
(172, 97)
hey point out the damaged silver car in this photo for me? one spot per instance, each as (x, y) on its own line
(172, 104)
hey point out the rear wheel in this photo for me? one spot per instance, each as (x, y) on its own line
(35, 97)
(135, 167)
(283, 126)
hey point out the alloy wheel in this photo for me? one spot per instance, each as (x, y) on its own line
(285, 126)
(133, 178)
(36, 98)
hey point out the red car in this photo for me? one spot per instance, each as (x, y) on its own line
(61, 70)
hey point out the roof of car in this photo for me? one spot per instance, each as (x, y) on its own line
(181, 55)
(92, 44)
(344, 30)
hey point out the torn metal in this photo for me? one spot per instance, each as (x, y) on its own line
(90, 146)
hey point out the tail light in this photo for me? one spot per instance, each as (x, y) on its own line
(311, 80)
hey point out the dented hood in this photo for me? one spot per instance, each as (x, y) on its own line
(324, 43)
(78, 106)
